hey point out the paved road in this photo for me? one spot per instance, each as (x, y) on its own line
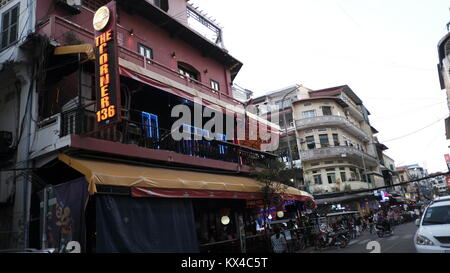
(400, 242)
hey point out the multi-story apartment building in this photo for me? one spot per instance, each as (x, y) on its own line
(444, 73)
(17, 100)
(96, 118)
(423, 186)
(337, 147)
(241, 94)
(281, 100)
(410, 189)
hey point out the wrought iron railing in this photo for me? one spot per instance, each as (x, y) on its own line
(82, 122)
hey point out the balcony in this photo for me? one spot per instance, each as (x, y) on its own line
(341, 187)
(157, 143)
(339, 152)
(335, 121)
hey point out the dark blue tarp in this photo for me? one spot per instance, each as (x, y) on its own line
(144, 225)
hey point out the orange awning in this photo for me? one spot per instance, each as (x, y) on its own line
(165, 182)
(74, 49)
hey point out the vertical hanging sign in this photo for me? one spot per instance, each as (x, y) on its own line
(107, 83)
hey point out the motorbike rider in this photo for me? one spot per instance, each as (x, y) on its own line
(383, 221)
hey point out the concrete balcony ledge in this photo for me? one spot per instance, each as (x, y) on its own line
(341, 187)
(340, 152)
(337, 121)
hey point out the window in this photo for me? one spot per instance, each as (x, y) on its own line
(438, 215)
(315, 164)
(324, 141)
(309, 114)
(329, 162)
(336, 140)
(353, 174)
(145, 51)
(308, 131)
(331, 177)
(10, 23)
(317, 179)
(215, 85)
(343, 177)
(188, 71)
(326, 110)
(162, 4)
(310, 142)
(322, 130)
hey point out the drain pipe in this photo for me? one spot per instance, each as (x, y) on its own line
(29, 108)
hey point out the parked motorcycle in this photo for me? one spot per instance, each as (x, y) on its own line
(383, 230)
(335, 239)
(345, 235)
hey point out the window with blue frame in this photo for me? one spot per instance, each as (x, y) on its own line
(222, 148)
(150, 125)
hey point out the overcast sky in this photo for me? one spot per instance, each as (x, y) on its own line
(385, 50)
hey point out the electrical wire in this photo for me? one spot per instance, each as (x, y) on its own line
(416, 131)
(408, 111)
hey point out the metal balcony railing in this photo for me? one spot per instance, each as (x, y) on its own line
(81, 122)
(338, 151)
(337, 121)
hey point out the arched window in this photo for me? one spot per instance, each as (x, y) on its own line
(188, 71)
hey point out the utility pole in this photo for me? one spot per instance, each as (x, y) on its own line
(285, 126)
(286, 131)
(364, 166)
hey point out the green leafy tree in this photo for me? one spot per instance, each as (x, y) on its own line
(276, 179)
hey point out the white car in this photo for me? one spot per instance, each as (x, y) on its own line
(433, 235)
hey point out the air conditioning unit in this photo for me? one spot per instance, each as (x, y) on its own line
(73, 6)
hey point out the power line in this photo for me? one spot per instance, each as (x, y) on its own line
(400, 137)
(409, 111)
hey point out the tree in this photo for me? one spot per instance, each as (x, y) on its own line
(276, 178)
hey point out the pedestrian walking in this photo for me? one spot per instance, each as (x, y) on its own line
(358, 224)
(279, 244)
(371, 223)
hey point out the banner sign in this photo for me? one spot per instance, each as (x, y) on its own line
(66, 216)
(107, 76)
(447, 160)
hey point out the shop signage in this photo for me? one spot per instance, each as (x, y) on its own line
(384, 196)
(106, 66)
(447, 160)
